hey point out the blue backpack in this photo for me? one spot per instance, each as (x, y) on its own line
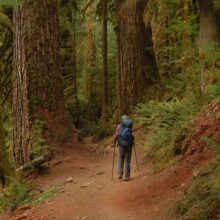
(125, 136)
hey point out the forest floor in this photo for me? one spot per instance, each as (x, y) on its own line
(92, 195)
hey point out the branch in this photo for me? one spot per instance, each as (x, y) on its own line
(36, 162)
(86, 7)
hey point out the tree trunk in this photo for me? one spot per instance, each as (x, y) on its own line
(90, 111)
(37, 83)
(209, 23)
(135, 58)
(75, 69)
(105, 55)
(92, 63)
(209, 37)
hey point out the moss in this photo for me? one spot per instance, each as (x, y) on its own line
(202, 198)
(39, 143)
(47, 195)
(4, 163)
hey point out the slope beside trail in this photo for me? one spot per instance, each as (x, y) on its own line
(93, 196)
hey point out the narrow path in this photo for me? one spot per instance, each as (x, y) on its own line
(93, 196)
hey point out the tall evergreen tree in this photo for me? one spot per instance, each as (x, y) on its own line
(105, 55)
(209, 23)
(37, 82)
(91, 58)
(135, 59)
(75, 68)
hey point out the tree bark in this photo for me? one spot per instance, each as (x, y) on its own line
(209, 23)
(37, 83)
(105, 55)
(75, 69)
(91, 59)
(135, 58)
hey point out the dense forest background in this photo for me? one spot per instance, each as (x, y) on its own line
(81, 64)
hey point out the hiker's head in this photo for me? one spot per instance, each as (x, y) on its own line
(124, 117)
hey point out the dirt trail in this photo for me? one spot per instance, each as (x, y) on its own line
(93, 196)
(146, 196)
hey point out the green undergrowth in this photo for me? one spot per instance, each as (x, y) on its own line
(99, 131)
(89, 128)
(215, 144)
(164, 121)
(47, 195)
(202, 199)
(18, 193)
(39, 143)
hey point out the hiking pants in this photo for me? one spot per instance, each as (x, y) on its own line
(125, 156)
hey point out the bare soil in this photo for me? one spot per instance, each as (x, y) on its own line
(93, 195)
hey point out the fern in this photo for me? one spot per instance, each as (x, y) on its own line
(164, 122)
(201, 200)
(213, 143)
(213, 92)
(16, 194)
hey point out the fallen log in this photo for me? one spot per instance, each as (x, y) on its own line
(36, 162)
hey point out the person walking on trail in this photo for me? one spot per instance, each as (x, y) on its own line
(123, 135)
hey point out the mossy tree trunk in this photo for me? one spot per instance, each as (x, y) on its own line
(91, 57)
(135, 59)
(105, 55)
(37, 82)
(209, 37)
(75, 69)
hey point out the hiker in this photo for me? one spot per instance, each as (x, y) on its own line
(123, 135)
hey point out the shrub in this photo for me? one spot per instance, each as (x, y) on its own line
(16, 194)
(202, 199)
(165, 119)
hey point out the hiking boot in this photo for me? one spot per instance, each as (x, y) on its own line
(127, 178)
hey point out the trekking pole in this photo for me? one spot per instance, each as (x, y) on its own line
(113, 162)
(135, 153)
